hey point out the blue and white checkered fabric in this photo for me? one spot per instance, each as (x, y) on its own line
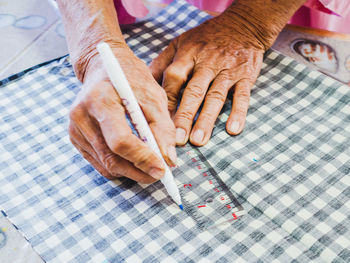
(289, 169)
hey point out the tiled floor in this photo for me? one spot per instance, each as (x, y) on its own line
(13, 247)
(31, 32)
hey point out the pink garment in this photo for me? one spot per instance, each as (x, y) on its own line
(332, 15)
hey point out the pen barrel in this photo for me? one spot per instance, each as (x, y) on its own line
(137, 117)
(169, 183)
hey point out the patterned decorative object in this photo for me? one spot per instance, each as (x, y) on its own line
(296, 192)
(317, 53)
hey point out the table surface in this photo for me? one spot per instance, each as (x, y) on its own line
(29, 46)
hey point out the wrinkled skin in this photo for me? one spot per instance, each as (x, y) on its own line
(221, 54)
(209, 60)
(99, 130)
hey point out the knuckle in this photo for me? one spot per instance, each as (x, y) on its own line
(172, 100)
(120, 144)
(143, 159)
(76, 113)
(195, 90)
(243, 94)
(207, 117)
(217, 95)
(109, 163)
(174, 73)
(184, 115)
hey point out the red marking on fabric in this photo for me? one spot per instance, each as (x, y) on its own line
(189, 185)
(205, 174)
(194, 160)
(216, 190)
(222, 198)
(199, 167)
(210, 181)
(201, 206)
(228, 206)
(234, 216)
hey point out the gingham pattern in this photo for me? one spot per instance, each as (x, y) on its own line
(289, 169)
(205, 197)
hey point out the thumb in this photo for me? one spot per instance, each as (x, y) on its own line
(155, 109)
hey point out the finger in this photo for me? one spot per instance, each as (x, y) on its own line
(160, 63)
(240, 105)
(104, 105)
(95, 163)
(154, 107)
(84, 147)
(191, 100)
(107, 163)
(214, 101)
(175, 76)
(137, 176)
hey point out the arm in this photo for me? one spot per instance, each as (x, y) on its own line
(98, 127)
(221, 54)
(264, 19)
(86, 23)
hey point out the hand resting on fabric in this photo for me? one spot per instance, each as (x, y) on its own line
(212, 58)
(221, 54)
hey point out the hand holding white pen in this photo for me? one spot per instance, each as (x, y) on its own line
(99, 129)
(125, 92)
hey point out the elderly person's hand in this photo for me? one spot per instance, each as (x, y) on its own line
(99, 129)
(223, 53)
(98, 125)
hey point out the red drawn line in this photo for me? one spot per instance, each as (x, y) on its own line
(201, 206)
(234, 216)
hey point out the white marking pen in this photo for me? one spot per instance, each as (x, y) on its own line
(121, 85)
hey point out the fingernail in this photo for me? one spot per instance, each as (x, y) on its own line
(234, 128)
(180, 135)
(198, 136)
(156, 173)
(172, 154)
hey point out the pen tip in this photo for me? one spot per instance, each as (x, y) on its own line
(181, 207)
